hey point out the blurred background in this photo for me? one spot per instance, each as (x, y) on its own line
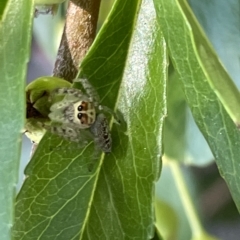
(221, 21)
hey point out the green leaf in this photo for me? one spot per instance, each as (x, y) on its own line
(157, 235)
(217, 127)
(2, 7)
(175, 124)
(166, 219)
(180, 129)
(222, 21)
(15, 39)
(216, 75)
(166, 191)
(60, 198)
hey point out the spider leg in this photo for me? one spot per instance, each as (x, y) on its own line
(71, 94)
(110, 111)
(66, 132)
(90, 90)
(70, 132)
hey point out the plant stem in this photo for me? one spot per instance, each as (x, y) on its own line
(78, 35)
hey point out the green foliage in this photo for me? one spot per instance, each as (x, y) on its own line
(62, 197)
(212, 119)
(15, 38)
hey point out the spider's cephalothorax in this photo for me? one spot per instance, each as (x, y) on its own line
(84, 113)
(76, 114)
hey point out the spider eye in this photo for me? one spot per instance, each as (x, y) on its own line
(80, 108)
(79, 115)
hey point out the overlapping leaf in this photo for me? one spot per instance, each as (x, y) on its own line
(219, 130)
(180, 129)
(60, 198)
(15, 26)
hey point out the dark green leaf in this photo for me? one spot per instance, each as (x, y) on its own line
(2, 8)
(60, 197)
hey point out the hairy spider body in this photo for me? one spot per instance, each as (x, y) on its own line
(75, 117)
(100, 129)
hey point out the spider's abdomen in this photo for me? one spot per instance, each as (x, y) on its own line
(101, 132)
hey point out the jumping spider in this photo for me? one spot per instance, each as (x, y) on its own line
(79, 112)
